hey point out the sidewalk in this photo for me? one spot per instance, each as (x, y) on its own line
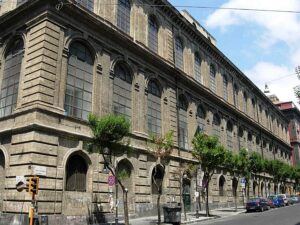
(191, 217)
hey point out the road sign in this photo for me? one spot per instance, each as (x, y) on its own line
(39, 170)
(111, 180)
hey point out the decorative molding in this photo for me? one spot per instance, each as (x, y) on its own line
(66, 52)
(166, 100)
(99, 69)
(137, 87)
(111, 74)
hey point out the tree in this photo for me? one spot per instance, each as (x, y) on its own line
(108, 132)
(255, 165)
(160, 147)
(210, 155)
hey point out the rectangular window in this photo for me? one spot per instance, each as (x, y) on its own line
(183, 132)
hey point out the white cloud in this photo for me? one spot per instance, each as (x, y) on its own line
(276, 28)
(281, 80)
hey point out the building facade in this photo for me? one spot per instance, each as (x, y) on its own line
(61, 60)
(290, 110)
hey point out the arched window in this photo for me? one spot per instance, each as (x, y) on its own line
(123, 15)
(225, 87)
(253, 108)
(178, 53)
(257, 141)
(254, 188)
(11, 76)
(122, 91)
(76, 173)
(182, 126)
(235, 96)
(201, 115)
(262, 190)
(241, 137)
(245, 103)
(89, 4)
(212, 78)
(2, 177)
(197, 68)
(157, 179)
(154, 108)
(216, 125)
(79, 84)
(221, 185)
(234, 186)
(249, 141)
(229, 129)
(152, 34)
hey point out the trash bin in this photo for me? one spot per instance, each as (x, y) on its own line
(172, 214)
(44, 220)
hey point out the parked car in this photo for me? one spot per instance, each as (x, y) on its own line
(257, 204)
(283, 196)
(294, 199)
(277, 201)
(270, 202)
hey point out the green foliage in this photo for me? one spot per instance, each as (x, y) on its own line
(123, 174)
(255, 163)
(107, 130)
(208, 152)
(161, 146)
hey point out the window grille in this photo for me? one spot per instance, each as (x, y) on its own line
(76, 174)
(216, 125)
(153, 34)
(201, 115)
(11, 76)
(78, 97)
(182, 126)
(122, 91)
(154, 108)
(197, 68)
(229, 135)
(178, 53)
(225, 88)
(212, 73)
(236, 96)
(123, 15)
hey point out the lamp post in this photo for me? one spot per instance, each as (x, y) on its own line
(108, 166)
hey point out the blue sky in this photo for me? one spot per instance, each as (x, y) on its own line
(264, 45)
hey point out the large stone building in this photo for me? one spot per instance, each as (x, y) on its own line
(292, 113)
(60, 60)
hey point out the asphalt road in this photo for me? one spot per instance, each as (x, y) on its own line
(289, 215)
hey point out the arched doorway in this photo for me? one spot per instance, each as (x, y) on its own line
(2, 178)
(186, 192)
(262, 189)
(124, 171)
(254, 188)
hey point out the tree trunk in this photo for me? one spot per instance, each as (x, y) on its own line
(206, 200)
(158, 209)
(126, 214)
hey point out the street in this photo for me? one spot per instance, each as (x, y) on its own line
(281, 216)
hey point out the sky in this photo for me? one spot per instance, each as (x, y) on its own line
(265, 46)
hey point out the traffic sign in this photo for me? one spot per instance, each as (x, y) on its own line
(111, 180)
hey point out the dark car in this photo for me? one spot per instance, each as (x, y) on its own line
(270, 202)
(278, 201)
(257, 204)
